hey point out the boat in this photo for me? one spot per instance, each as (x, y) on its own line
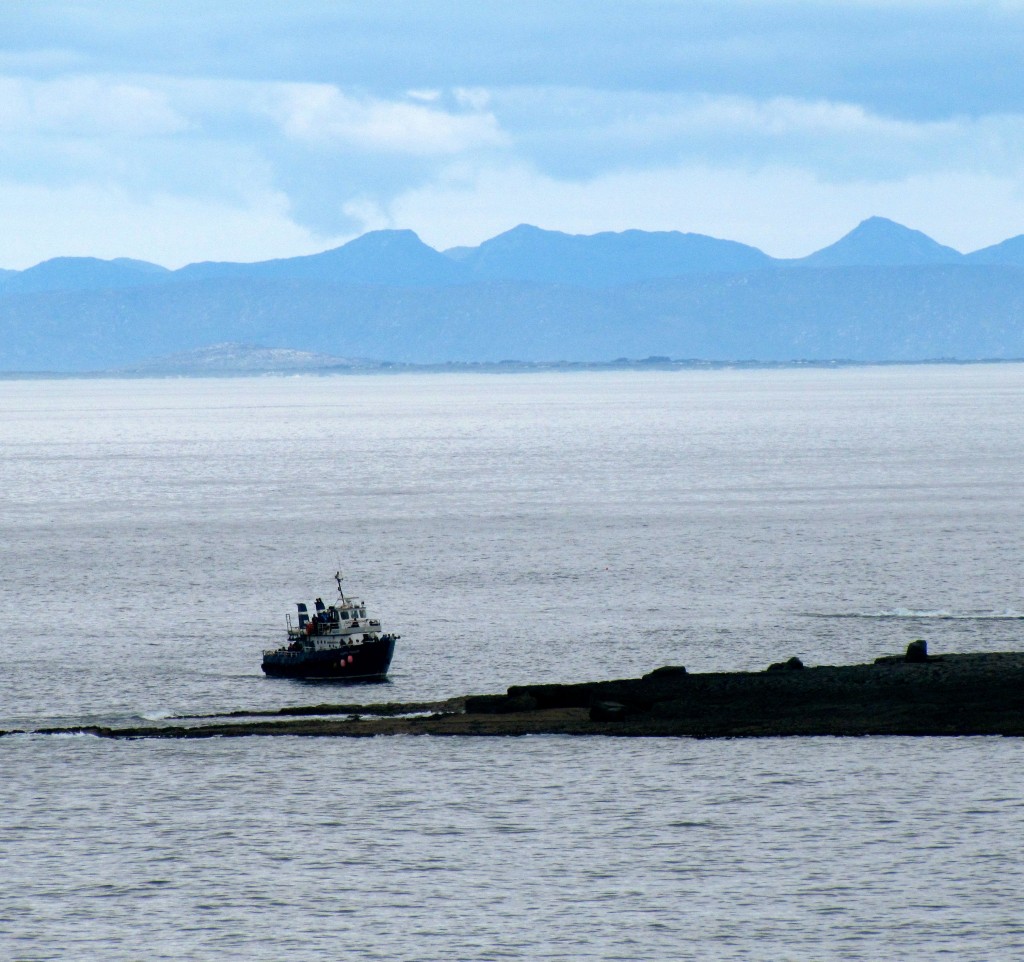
(338, 641)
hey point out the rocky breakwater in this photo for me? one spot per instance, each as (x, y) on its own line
(911, 694)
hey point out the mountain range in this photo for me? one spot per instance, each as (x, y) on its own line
(883, 292)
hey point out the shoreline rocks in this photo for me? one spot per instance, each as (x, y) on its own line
(911, 694)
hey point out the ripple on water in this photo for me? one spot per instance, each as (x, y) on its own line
(531, 848)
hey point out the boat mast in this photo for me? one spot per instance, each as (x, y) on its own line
(341, 594)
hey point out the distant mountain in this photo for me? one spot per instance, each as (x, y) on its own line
(878, 242)
(83, 274)
(394, 257)
(883, 292)
(860, 314)
(528, 253)
(1010, 252)
(232, 358)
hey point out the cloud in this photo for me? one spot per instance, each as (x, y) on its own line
(98, 221)
(926, 59)
(85, 106)
(781, 123)
(323, 114)
(572, 132)
(788, 212)
(230, 143)
(41, 60)
(281, 169)
(476, 98)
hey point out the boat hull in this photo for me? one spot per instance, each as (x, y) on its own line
(362, 662)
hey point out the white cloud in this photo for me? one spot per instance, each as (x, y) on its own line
(323, 114)
(582, 133)
(86, 220)
(86, 106)
(112, 165)
(782, 116)
(368, 214)
(787, 212)
(476, 98)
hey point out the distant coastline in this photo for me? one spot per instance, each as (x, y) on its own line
(371, 368)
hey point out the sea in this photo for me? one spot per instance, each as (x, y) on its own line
(529, 527)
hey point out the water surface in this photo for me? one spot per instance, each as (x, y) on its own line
(512, 529)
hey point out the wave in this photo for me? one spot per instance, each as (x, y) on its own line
(914, 614)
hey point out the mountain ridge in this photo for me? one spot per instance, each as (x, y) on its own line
(524, 253)
(388, 295)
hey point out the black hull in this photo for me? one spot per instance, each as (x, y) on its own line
(364, 662)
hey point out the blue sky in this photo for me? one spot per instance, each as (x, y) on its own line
(185, 131)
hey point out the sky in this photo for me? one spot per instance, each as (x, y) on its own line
(183, 131)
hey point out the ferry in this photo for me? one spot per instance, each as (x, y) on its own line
(338, 641)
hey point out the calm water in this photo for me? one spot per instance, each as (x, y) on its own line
(511, 529)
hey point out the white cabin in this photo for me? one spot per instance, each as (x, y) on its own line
(342, 624)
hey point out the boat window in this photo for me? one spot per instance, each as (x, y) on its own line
(344, 614)
(362, 612)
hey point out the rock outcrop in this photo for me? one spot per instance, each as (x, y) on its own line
(911, 694)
